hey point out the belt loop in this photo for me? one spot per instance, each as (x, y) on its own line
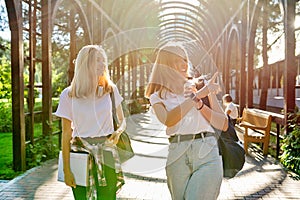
(202, 135)
(178, 138)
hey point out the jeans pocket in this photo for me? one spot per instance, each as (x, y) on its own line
(206, 146)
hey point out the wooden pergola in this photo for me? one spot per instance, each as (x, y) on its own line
(212, 31)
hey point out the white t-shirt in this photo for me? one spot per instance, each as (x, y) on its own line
(90, 117)
(234, 111)
(192, 123)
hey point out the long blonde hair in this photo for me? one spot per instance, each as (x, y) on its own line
(165, 75)
(86, 80)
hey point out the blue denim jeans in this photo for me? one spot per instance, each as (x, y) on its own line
(194, 169)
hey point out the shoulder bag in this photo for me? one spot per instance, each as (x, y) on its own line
(124, 144)
(233, 153)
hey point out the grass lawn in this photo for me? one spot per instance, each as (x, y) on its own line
(6, 153)
(6, 171)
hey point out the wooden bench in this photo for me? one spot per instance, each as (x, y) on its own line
(257, 128)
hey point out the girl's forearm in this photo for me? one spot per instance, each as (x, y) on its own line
(217, 119)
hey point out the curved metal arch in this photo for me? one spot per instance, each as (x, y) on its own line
(107, 36)
(233, 30)
(108, 32)
(169, 37)
(234, 33)
(226, 26)
(210, 39)
(201, 16)
(186, 41)
(186, 24)
(223, 17)
(79, 7)
(256, 5)
(219, 55)
(116, 7)
(194, 26)
(190, 35)
(169, 22)
(196, 12)
(222, 14)
(179, 3)
(215, 28)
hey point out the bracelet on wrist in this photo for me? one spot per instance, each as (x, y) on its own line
(201, 105)
(194, 98)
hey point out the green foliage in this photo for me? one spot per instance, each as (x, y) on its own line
(5, 78)
(291, 145)
(5, 69)
(5, 117)
(3, 18)
(43, 149)
(60, 67)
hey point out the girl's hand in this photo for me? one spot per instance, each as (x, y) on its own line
(213, 87)
(69, 179)
(114, 138)
(210, 88)
(189, 88)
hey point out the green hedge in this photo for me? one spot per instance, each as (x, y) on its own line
(291, 145)
(5, 117)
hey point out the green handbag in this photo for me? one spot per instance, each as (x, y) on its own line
(124, 144)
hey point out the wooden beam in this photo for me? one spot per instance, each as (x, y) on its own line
(243, 77)
(14, 10)
(290, 68)
(46, 67)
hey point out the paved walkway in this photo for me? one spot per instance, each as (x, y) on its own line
(261, 178)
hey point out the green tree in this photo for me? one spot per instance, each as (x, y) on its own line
(3, 17)
(5, 70)
(60, 62)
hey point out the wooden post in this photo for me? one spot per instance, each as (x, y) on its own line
(14, 10)
(243, 77)
(290, 68)
(46, 67)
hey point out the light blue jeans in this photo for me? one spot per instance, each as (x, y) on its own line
(194, 169)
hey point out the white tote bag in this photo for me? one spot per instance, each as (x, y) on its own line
(79, 163)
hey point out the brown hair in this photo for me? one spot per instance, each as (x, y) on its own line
(165, 75)
(227, 98)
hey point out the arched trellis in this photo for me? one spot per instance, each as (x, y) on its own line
(233, 37)
(14, 9)
(209, 28)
